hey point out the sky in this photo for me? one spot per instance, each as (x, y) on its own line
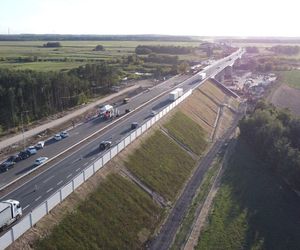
(184, 17)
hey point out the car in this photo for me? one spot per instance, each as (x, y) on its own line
(134, 125)
(127, 111)
(40, 145)
(14, 158)
(40, 160)
(57, 137)
(64, 134)
(32, 150)
(24, 154)
(153, 113)
(126, 100)
(6, 165)
(105, 145)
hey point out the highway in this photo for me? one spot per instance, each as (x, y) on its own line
(59, 172)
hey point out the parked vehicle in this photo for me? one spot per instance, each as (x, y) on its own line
(32, 150)
(24, 154)
(104, 145)
(40, 160)
(175, 94)
(10, 211)
(64, 134)
(6, 165)
(57, 137)
(134, 125)
(14, 158)
(40, 145)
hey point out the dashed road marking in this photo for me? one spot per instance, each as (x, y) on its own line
(38, 198)
(77, 169)
(59, 183)
(49, 190)
(93, 158)
(69, 176)
(85, 164)
(48, 179)
(26, 207)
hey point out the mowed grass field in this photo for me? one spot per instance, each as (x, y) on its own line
(292, 78)
(119, 215)
(161, 164)
(253, 209)
(188, 132)
(72, 53)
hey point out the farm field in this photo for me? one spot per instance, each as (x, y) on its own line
(72, 54)
(292, 78)
(253, 209)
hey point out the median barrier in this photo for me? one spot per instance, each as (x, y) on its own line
(38, 213)
(88, 172)
(78, 180)
(53, 201)
(6, 239)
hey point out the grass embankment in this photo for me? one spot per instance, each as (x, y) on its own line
(189, 133)
(119, 215)
(292, 78)
(161, 164)
(253, 209)
(202, 192)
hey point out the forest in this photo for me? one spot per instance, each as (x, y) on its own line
(274, 135)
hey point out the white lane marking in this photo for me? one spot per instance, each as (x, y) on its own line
(48, 179)
(49, 190)
(69, 176)
(86, 163)
(59, 183)
(26, 207)
(93, 158)
(38, 198)
(77, 169)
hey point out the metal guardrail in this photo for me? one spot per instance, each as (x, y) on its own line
(43, 209)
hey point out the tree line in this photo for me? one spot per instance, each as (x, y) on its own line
(38, 94)
(274, 135)
(174, 50)
(285, 49)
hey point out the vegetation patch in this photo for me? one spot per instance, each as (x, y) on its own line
(161, 164)
(188, 132)
(253, 209)
(199, 199)
(119, 215)
(292, 78)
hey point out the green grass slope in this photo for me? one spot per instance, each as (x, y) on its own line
(188, 132)
(161, 164)
(253, 209)
(292, 78)
(119, 215)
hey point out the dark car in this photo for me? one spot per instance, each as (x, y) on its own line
(134, 125)
(104, 145)
(6, 165)
(14, 158)
(24, 154)
(127, 111)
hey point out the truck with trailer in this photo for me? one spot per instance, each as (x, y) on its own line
(106, 111)
(175, 94)
(10, 211)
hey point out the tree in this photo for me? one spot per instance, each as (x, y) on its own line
(99, 48)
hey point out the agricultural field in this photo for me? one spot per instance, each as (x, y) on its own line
(72, 54)
(161, 164)
(117, 214)
(253, 208)
(292, 78)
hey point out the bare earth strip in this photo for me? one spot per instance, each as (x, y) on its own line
(287, 97)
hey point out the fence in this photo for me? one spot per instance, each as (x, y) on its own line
(43, 209)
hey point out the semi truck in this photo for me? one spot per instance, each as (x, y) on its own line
(106, 111)
(175, 94)
(202, 75)
(10, 211)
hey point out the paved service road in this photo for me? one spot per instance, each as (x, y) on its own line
(39, 188)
